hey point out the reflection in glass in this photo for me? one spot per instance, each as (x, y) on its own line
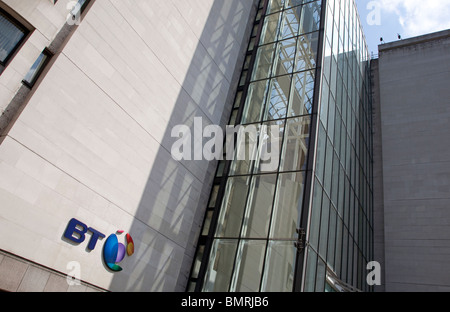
(280, 267)
(10, 36)
(248, 267)
(277, 103)
(270, 29)
(245, 148)
(284, 60)
(232, 210)
(292, 3)
(220, 265)
(314, 227)
(310, 278)
(275, 6)
(288, 205)
(290, 23)
(296, 141)
(323, 241)
(302, 94)
(269, 146)
(263, 63)
(198, 261)
(255, 101)
(32, 74)
(310, 17)
(307, 51)
(259, 207)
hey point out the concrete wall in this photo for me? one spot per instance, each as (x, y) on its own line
(93, 141)
(415, 121)
(44, 20)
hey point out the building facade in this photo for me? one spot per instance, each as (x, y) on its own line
(307, 223)
(89, 94)
(411, 109)
(344, 159)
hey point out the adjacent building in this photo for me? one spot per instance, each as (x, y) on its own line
(411, 116)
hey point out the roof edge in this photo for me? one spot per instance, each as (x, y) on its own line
(415, 40)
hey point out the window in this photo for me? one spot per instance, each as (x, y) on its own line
(12, 35)
(37, 68)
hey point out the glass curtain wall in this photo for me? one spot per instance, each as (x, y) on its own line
(340, 236)
(248, 242)
(309, 219)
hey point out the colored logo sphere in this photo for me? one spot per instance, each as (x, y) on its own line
(114, 252)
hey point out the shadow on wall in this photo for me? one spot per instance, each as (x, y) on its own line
(168, 219)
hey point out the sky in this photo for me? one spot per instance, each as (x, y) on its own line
(408, 18)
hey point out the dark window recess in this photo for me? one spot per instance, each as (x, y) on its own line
(37, 68)
(12, 35)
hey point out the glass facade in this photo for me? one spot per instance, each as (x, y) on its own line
(305, 224)
(340, 232)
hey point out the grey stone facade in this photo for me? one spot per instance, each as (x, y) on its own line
(414, 167)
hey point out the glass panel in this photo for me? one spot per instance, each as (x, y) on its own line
(296, 141)
(307, 51)
(310, 18)
(233, 205)
(259, 208)
(279, 268)
(288, 205)
(311, 264)
(220, 266)
(314, 227)
(323, 244)
(237, 102)
(245, 148)
(34, 70)
(284, 61)
(263, 63)
(321, 275)
(256, 99)
(292, 3)
(207, 223)
(213, 198)
(198, 261)
(275, 6)
(10, 36)
(321, 146)
(278, 98)
(302, 93)
(337, 264)
(324, 103)
(233, 117)
(290, 23)
(269, 146)
(328, 167)
(248, 267)
(331, 238)
(243, 78)
(220, 169)
(270, 29)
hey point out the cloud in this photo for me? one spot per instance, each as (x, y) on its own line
(418, 17)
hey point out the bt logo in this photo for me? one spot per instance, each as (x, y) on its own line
(113, 251)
